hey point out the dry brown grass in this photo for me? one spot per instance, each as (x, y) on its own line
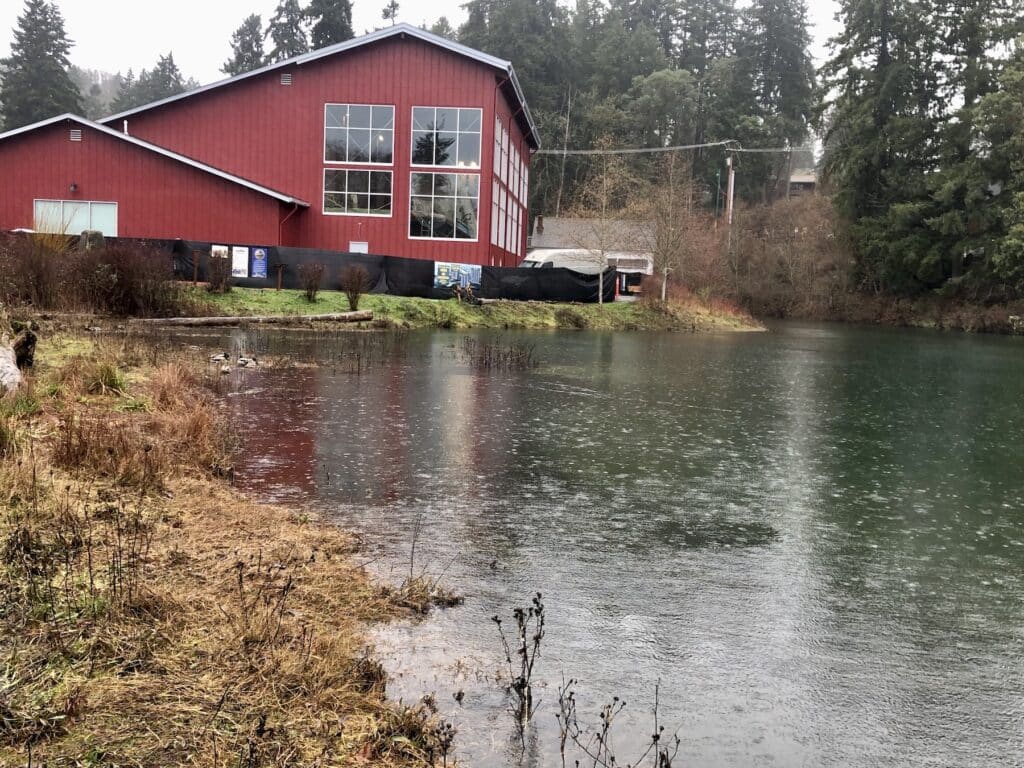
(152, 616)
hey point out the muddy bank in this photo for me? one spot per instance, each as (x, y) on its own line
(152, 615)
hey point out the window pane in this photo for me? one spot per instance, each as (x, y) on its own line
(468, 185)
(335, 148)
(334, 181)
(466, 220)
(76, 218)
(423, 119)
(420, 212)
(380, 182)
(422, 148)
(444, 217)
(104, 218)
(469, 120)
(47, 216)
(444, 184)
(469, 150)
(334, 202)
(383, 142)
(359, 117)
(358, 203)
(335, 117)
(383, 117)
(358, 181)
(444, 152)
(358, 146)
(381, 204)
(422, 183)
(447, 120)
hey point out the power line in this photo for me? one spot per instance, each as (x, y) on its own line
(731, 145)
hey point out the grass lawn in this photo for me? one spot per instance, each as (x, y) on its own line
(405, 312)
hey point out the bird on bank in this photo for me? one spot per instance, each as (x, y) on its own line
(220, 357)
(245, 362)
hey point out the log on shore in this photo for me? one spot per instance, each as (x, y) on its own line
(334, 317)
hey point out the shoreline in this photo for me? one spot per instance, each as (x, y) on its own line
(142, 588)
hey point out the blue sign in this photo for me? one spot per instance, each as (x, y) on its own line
(447, 275)
(259, 263)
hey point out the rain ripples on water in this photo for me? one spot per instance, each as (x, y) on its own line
(813, 538)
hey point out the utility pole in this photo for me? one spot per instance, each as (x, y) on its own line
(730, 192)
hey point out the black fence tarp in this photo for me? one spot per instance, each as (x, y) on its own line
(401, 277)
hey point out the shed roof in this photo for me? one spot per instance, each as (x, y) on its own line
(627, 235)
(230, 177)
(398, 30)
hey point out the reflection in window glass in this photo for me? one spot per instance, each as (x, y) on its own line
(361, 193)
(444, 206)
(445, 136)
(72, 217)
(358, 133)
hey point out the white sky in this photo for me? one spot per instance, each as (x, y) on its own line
(115, 35)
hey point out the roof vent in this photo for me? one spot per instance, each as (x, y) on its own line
(76, 134)
(286, 78)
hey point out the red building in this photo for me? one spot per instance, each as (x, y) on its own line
(399, 143)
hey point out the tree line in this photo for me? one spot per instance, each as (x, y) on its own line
(918, 112)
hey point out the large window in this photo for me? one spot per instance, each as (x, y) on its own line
(358, 193)
(359, 133)
(444, 206)
(73, 217)
(445, 136)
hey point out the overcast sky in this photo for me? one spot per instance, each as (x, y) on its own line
(113, 35)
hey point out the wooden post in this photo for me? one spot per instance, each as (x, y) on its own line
(195, 267)
(280, 273)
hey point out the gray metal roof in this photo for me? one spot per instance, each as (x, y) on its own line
(627, 235)
(357, 42)
(160, 151)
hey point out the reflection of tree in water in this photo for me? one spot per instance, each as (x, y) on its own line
(432, 149)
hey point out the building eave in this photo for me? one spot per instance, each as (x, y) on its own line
(230, 177)
(398, 30)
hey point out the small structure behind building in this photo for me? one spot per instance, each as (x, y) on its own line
(578, 244)
(803, 182)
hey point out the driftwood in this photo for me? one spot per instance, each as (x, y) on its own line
(334, 317)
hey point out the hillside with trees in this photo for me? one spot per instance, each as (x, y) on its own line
(915, 124)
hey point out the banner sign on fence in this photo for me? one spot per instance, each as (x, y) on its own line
(218, 251)
(239, 261)
(448, 275)
(259, 263)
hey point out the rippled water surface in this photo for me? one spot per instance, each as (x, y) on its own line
(814, 538)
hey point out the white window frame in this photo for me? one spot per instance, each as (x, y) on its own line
(90, 203)
(394, 135)
(453, 168)
(434, 172)
(347, 169)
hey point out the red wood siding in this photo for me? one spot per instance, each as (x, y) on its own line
(274, 135)
(157, 197)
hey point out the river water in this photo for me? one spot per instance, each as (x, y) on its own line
(811, 540)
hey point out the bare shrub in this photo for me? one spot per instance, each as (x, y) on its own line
(498, 355)
(127, 279)
(33, 269)
(355, 281)
(310, 277)
(218, 274)
(521, 659)
(570, 318)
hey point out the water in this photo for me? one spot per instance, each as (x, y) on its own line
(813, 538)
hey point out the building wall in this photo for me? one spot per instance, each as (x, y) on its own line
(273, 134)
(157, 197)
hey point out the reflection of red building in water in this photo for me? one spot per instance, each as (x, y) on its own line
(277, 431)
(399, 143)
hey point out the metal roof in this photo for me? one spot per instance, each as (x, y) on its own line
(160, 151)
(358, 42)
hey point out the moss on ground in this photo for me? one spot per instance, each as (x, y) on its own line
(405, 312)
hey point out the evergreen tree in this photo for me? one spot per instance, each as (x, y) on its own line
(332, 22)
(390, 12)
(287, 31)
(246, 47)
(161, 82)
(706, 32)
(443, 28)
(36, 84)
